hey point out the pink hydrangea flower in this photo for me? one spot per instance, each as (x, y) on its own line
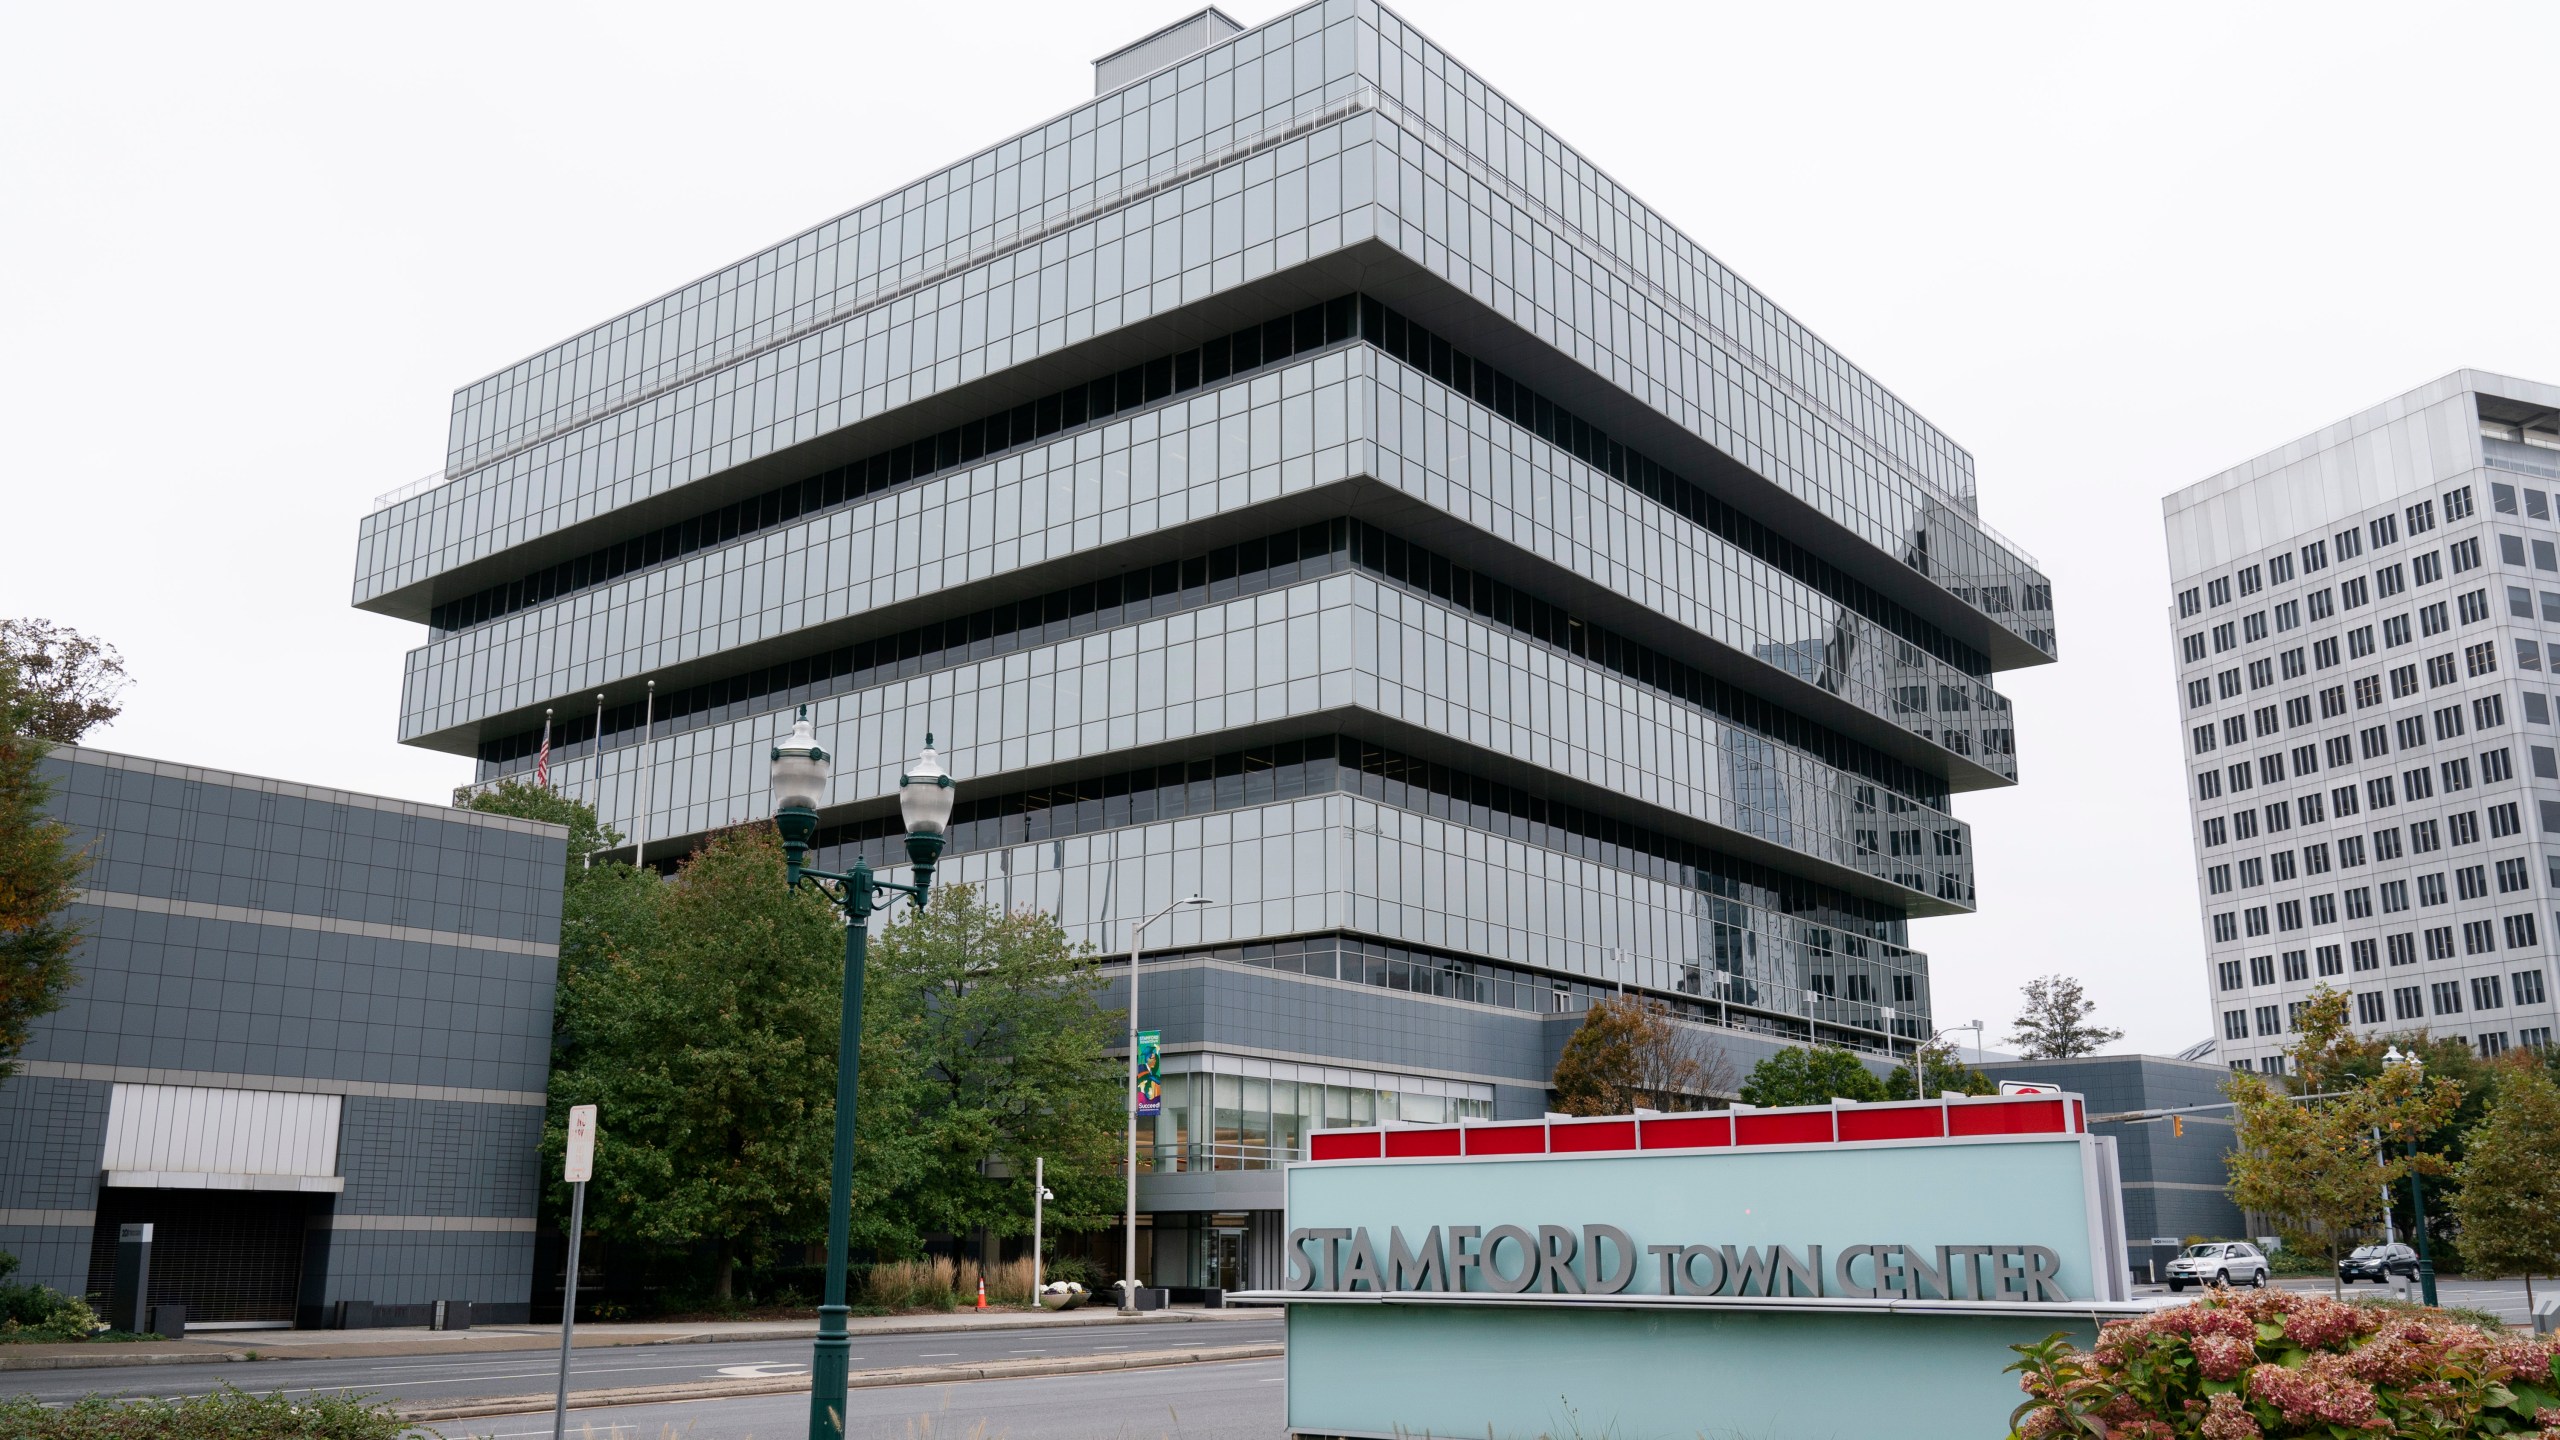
(2226, 1418)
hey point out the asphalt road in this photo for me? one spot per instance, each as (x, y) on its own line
(429, 1377)
(2502, 1298)
(1232, 1400)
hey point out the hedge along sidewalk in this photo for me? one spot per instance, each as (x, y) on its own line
(233, 1346)
(860, 1380)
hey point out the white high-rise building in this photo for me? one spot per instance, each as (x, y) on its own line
(2366, 630)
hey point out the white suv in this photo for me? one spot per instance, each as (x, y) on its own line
(2223, 1262)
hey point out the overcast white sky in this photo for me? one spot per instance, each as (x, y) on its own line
(250, 251)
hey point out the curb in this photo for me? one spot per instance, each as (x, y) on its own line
(110, 1358)
(859, 1380)
(89, 1362)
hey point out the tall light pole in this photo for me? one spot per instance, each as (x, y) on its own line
(1129, 1218)
(2417, 1191)
(1920, 1057)
(800, 771)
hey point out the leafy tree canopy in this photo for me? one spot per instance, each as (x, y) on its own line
(700, 1019)
(2311, 1162)
(1010, 1061)
(1629, 1053)
(1946, 1070)
(527, 801)
(1810, 1075)
(2509, 1203)
(2054, 1023)
(39, 871)
(67, 682)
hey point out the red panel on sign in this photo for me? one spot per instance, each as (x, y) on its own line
(1343, 1145)
(1602, 1135)
(1686, 1132)
(1914, 1122)
(1505, 1139)
(2008, 1117)
(1407, 1144)
(1782, 1127)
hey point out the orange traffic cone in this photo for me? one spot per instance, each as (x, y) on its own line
(982, 1292)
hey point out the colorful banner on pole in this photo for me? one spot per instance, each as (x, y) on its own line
(1150, 1072)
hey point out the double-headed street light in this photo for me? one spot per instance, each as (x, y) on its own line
(800, 771)
(2417, 1191)
(1129, 1258)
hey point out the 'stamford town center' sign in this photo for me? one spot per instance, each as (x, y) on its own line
(1684, 1275)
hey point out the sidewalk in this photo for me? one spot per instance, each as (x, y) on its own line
(235, 1345)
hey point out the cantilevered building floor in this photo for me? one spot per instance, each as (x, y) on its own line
(1298, 477)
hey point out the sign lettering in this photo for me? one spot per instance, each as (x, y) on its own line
(1604, 1260)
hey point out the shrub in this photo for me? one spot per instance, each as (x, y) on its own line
(227, 1414)
(2452, 1314)
(39, 1312)
(2239, 1365)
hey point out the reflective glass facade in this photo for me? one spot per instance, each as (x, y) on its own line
(1546, 614)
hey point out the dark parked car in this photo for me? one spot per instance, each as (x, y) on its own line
(2378, 1263)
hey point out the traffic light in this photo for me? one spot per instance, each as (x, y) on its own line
(2177, 1127)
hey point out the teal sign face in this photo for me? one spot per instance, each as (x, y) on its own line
(2009, 1219)
(1784, 1293)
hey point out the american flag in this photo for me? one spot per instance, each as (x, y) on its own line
(542, 760)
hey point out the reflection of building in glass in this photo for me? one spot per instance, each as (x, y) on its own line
(2364, 623)
(1488, 607)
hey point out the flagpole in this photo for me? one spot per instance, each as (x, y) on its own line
(596, 799)
(542, 759)
(648, 770)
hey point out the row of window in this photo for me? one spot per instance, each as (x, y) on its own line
(2382, 531)
(2364, 956)
(1324, 764)
(2351, 594)
(2488, 712)
(1286, 558)
(2424, 838)
(2480, 658)
(1365, 961)
(2491, 1044)
(2522, 930)
(2380, 792)
(1344, 318)
(2486, 992)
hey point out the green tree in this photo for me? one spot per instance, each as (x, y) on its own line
(2054, 1023)
(1946, 1071)
(1629, 1053)
(528, 801)
(39, 871)
(2509, 1203)
(67, 682)
(2311, 1162)
(1810, 1075)
(700, 1020)
(1009, 1058)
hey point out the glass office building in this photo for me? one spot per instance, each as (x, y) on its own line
(1299, 477)
(2366, 626)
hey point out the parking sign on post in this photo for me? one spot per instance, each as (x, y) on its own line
(581, 1159)
(577, 1163)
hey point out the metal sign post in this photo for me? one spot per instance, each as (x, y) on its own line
(1039, 1193)
(577, 1164)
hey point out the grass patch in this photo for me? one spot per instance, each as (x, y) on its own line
(227, 1414)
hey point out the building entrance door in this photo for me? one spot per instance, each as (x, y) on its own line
(1226, 1259)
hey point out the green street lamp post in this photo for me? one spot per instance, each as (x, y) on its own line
(800, 770)
(2417, 1190)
